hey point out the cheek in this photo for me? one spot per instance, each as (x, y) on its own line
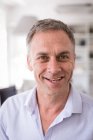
(38, 68)
(69, 67)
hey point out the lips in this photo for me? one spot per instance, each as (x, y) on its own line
(54, 80)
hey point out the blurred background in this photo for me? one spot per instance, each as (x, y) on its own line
(17, 17)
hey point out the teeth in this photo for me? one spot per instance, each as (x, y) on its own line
(56, 79)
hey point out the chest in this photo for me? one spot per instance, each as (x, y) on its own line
(29, 127)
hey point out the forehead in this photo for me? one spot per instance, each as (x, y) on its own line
(58, 34)
(51, 41)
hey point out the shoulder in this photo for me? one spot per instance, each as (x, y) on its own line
(16, 102)
(82, 97)
(87, 103)
(82, 102)
(86, 99)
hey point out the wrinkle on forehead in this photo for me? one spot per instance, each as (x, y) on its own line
(52, 42)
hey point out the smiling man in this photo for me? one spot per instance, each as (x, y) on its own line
(53, 109)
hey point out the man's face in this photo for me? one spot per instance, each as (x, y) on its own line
(52, 59)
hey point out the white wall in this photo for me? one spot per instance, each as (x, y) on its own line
(3, 50)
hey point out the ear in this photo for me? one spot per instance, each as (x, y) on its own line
(74, 60)
(29, 63)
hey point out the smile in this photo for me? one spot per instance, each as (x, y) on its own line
(54, 80)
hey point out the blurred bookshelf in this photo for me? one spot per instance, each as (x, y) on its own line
(83, 73)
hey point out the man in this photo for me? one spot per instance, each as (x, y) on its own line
(53, 109)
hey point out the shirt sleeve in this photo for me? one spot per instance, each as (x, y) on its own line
(2, 133)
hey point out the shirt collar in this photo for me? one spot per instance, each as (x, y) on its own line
(31, 102)
(73, 104)
(76, 101)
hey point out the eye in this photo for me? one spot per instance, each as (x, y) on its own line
(44, 58)
(62, 57)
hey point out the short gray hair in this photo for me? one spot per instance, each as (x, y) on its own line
(49, 24)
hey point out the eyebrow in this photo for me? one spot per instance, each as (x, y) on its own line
(41, 53)
(61, 53)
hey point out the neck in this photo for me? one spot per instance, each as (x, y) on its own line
(50, 106)
(52, 101)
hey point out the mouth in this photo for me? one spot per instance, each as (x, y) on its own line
(54, 80)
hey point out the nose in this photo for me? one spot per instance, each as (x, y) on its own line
(53, 66)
